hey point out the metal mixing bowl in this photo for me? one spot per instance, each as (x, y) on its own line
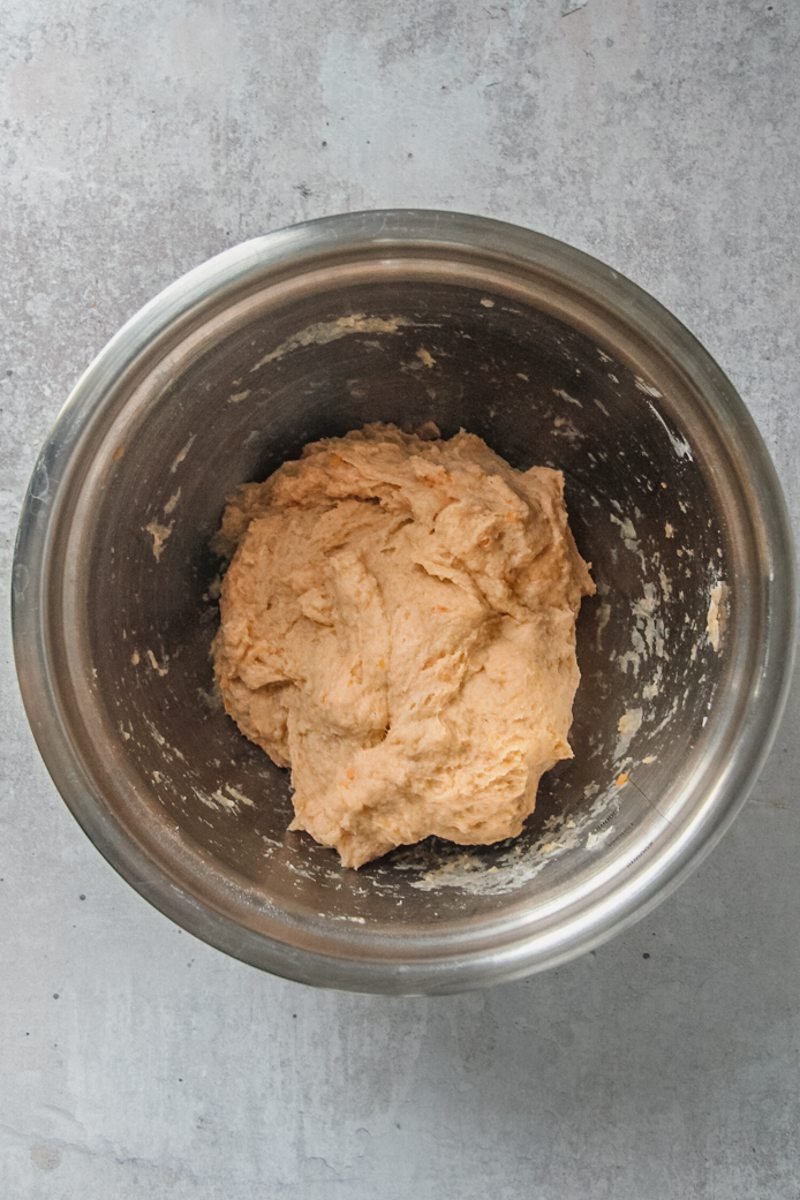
(554, 359)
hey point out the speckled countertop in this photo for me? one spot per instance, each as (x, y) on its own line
(135, 141)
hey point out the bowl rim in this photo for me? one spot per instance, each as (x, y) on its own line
(179, 303)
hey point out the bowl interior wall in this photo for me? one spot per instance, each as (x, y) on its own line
(641, 507)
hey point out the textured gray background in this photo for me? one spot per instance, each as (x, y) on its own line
(136, 139)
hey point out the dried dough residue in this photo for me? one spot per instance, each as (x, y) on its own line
(717, 620)
(324, 332)
(160, 535)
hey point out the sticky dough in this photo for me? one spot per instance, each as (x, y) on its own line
(398, 626)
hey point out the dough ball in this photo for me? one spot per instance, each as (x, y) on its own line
(398, 627)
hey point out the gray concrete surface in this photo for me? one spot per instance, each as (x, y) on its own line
(136, 139)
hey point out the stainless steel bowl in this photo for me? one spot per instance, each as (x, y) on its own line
(551, 357)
